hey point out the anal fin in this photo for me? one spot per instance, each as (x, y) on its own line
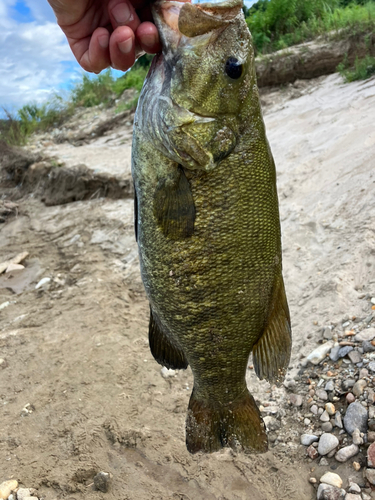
(212, 427)
(163, 350)
(271, 354)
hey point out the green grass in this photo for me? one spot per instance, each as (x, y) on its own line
(277, 24)
(362, 69)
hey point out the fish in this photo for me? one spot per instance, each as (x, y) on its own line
(207, 221)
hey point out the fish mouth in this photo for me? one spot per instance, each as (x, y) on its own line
(166, 14)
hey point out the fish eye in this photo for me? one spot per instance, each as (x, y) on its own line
(233, 68)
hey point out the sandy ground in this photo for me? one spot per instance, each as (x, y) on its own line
(76, 349)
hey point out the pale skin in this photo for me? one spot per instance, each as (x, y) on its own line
(104, 33)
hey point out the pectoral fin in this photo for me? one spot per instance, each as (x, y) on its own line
(164, 352)
(174, 207)
(271, 354)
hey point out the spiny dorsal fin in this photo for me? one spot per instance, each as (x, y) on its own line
(271, 354)
(162, 349)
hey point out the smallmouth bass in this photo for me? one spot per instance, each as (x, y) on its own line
(207, 221)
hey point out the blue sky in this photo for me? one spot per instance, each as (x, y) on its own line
(35, 58)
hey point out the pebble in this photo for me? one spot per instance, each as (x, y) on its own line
(296, 399)
(327, 443)
(370, 475)
(14, 267)
(332, 479)
(371, 455)
(355, 357)
(372, 366)
(355, 418)
(307, 421)
(348, 383)
(351, 496)
(101, 481)
(307, 439)
(318, 354)
(23, 493)
(326, 426)
(167, 373)
(338, 420)
(334, 354)
(323, 462)
(365, 497)
(328, 492)
(371, 436)
(365, 335)
(324, 417)
(363, 373)
(371, 412)
(42, 282)
(357, 439)
(356, 466)
(345, 350)
(367, 346)
(330, 385)
(347, 452)
(312, 453)
(354, 488)
(314, 409)
(359, 387)
(271, 423)
(322, 394)
(7, 487)
(330, 408)
(350, 398)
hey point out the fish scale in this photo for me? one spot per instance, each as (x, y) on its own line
(208, 229)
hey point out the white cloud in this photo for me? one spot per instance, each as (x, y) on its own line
(35, 59)
(40, 10)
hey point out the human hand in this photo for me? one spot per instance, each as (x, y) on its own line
(104, 33)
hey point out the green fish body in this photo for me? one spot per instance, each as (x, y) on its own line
(207, 221)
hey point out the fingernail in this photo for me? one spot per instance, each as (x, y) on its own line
(104, 41)
(126, 46)
(148, 40)
(122, 13)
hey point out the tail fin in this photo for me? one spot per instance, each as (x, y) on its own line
(209, 428)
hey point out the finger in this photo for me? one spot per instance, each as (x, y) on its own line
(122, 48)
(92, 52)
(122, 13)
(147, 37)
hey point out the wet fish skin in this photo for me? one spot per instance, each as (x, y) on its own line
(207, 222)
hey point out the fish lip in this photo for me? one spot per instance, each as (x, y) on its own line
(165, 14)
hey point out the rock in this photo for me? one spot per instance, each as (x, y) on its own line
(371, 366)
(365, 335)
(370, 475)
(330, 385)
(371, 412)
(359, 387)
(357, 439)
(355, 418)
(312, 452)
(307, 439)
(356, 466)
(322, 394)
(312, 480)
(42, 283)
(367, 346)
(371, 455)
(371, 436)
(332, 479)
(323, 462)
(338, 420)
(371, 424)
(363, 373)
(327, 443)
(324, 417)
(14, 267)
(354, 488)
(327, 333)
(326, 426)
(7, 487)
(167, 373)
(3, 363)
(355, 357)
(347, 452)
(306, 421)
(328, 492)
(296, 399)
(272, 423)
(330, 409)
(365, 497)
(351, 496)
(320, 353)
(344, 351)
(349, 382)
(314, 409)
(334, 354)
(101, 481)
(23, 493)
(350, 398)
